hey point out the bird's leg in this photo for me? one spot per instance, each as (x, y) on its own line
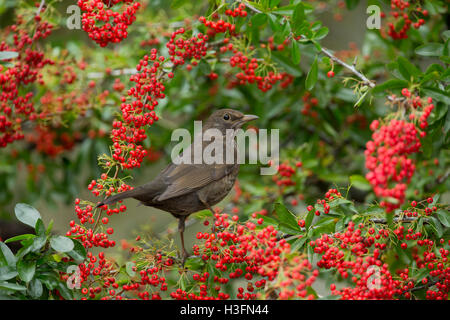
(181, 221)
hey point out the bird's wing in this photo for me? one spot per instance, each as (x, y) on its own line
(184, 178)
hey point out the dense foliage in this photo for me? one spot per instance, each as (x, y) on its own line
(357, 210)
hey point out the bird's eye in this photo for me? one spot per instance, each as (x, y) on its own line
(226, 116)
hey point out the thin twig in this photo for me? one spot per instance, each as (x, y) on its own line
(352, 68)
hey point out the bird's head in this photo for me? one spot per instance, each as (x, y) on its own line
(228, 119)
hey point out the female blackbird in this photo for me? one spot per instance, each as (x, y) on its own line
(182, 189)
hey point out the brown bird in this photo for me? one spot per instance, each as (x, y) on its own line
(182, 189)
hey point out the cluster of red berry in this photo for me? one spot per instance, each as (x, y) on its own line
(15, 106)
(388, 153)
(50, 142)
(114, 24)
(181, 50)
(308, 103)
(405, 14)
(262, 254)
(239, 11)
(284, 174)
(357, 254)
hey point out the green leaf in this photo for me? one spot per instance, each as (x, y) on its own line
(430, 50)
(65, 292)
(178, 3)
(311, 78)
(298, 17)
(27, 214)
(26, 270)
(286, 64)
(325, 225)
(275, 25)
(437, 227)
(296, 56)
(7, 258)
(286, 217)
(6, 55)
(7, 273)
(40, 227)
(78, 253)
(11, 286)
(38, 243)
(129, 268)
(20, 237)
(444, 217)
(309, 219)
(61, 243)
(407, 69)
(390, 85)
(259, 19)
(35, 288)
(298, 244)
(446, 35)
(360, 182)
(437, 94)
(321, 33)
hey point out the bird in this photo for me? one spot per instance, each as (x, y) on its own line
(185, 188)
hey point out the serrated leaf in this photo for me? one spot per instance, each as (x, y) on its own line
(27, 214)
(61, 243)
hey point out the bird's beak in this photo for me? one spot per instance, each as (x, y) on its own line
(248, 117)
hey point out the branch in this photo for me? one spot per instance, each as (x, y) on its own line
(326, 52)
(351, 68)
